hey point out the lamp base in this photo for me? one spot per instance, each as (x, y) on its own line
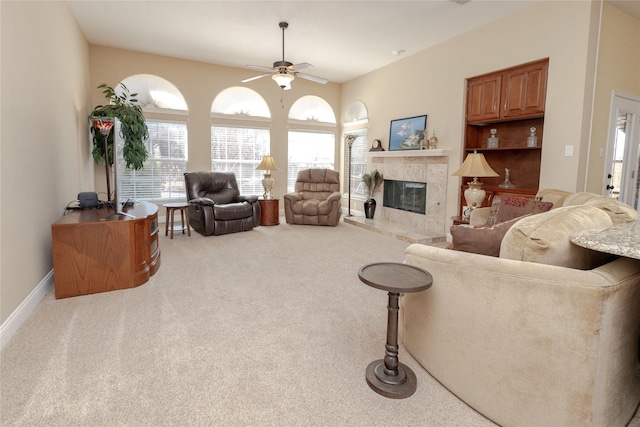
(474, 195)
(267, 184)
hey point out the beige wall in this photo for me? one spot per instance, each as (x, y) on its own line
(44, 160)
(618, 69)
(432, 82)
(199, 83)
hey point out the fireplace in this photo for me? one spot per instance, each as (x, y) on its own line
(405, 195)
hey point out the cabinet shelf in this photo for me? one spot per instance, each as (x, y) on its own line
(494, 121)
(484, 149)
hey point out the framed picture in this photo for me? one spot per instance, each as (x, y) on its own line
(407, 134)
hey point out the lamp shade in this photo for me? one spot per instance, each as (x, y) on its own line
(349, 138)
(475, 165)
(283, 80)
(268, 163)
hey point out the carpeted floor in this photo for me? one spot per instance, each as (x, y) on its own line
(262, 328)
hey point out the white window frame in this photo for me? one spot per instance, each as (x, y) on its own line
(162, 176)
(249, 179)
(311, 160)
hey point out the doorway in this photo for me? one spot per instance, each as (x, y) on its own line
(621, 178)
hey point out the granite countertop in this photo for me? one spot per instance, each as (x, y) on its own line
(623, 240)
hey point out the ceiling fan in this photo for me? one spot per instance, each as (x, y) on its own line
(284, 72)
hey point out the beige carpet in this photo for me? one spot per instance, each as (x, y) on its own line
(262, 328)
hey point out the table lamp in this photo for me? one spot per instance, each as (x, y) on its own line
(475, 165)
(267, 165)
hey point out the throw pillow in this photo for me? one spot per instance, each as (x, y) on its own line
(544, 238)
(514, 207)
(481, 239)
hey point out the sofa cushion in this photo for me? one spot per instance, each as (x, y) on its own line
(480, 239)
(507, 208)
(544, 238)
(233, 211)
(552, 195)
(619, 212)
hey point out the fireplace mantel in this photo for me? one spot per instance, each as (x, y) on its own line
(409, 153)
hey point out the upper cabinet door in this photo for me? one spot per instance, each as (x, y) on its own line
(483, 98)
(524, 90)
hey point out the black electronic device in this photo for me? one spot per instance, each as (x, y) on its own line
(88, 200)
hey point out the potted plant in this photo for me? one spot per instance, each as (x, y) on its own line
(373, 180)
(134, 130)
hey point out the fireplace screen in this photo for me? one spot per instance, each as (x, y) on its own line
(405, 195)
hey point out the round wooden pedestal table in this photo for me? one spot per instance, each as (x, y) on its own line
(170, 218)
(388, 376)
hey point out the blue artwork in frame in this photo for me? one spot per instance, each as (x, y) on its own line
(407, 134)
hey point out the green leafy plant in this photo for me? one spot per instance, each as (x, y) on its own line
(133, 127)
(373, 180)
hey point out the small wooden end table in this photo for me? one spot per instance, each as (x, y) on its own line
(269, 211)
(170, 218)
(458, 220)
(388, 376)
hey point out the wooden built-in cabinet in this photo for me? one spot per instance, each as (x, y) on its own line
(94, 251)
(511, 101)
(508, 94)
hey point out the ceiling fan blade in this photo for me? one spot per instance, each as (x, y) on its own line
(312, 78)
(259, 67)
(250, 79)
(301, 66)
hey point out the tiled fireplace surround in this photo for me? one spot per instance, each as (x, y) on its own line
(428, 166)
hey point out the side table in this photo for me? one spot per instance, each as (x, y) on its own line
(388, 376)
(269, 211)
(458, 220)
(170, 218)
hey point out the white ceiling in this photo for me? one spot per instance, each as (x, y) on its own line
(342, 39)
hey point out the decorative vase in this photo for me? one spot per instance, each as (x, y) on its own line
(369, 208)
(433, 141)
(532, 139)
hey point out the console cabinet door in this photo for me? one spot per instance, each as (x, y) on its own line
(483, 98)
(524, 90)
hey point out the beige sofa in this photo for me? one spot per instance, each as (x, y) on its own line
(536, 336)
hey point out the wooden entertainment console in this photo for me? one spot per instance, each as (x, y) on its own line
(94, 252)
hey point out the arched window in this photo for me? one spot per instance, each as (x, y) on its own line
(356, 123)
(312, 136)
(240, 136)
(161, 178)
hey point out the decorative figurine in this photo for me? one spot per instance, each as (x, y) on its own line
(433, 141)
(506, 183)
(492, 142)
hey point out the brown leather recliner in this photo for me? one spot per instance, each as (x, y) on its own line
(216, 206)
(316, 200)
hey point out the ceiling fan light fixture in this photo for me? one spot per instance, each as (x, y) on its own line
(283, 80)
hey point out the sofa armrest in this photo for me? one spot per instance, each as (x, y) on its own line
(205, 201)
(334, 196)
(293, 197)
(250, 199)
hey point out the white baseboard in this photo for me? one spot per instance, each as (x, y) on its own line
(20, 315)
